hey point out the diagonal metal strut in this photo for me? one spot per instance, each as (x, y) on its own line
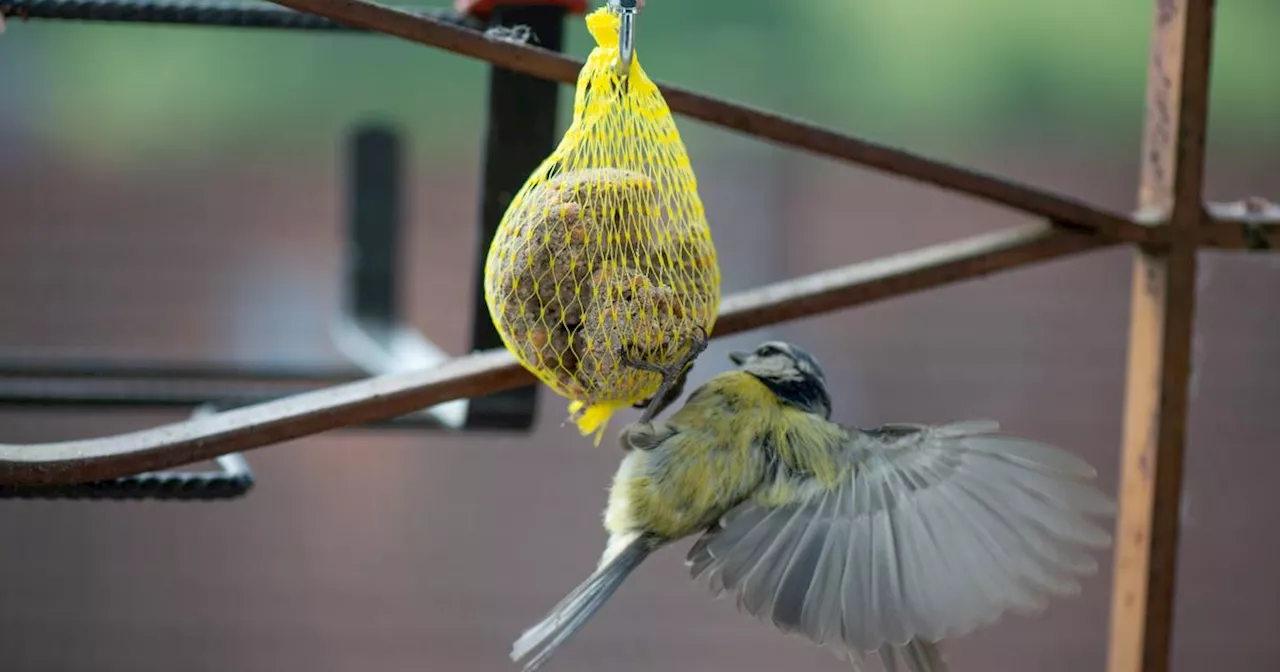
(393, 395)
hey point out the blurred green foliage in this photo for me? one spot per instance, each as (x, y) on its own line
(976, 71)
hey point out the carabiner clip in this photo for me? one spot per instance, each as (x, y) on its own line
(626, 10)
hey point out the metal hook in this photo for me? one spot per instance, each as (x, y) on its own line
(627, 11)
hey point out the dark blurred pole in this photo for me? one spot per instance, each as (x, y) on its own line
(521, 132)
(373, 230)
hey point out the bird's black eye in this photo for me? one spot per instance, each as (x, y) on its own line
(767, 350)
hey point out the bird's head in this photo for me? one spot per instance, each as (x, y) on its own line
(791, 372)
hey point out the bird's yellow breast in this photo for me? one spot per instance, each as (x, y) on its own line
(730, 431)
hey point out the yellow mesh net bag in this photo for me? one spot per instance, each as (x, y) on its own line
(604, 255)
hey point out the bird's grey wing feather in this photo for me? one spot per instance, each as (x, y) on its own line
(933, 532)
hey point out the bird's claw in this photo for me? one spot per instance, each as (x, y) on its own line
(671, 375)
(697, 345)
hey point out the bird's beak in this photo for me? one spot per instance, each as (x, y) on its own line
(738, 357)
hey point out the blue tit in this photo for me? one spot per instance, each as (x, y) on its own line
(883, 540)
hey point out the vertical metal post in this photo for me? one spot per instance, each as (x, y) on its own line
(373, 231)
(521, 132)
(1161, 330)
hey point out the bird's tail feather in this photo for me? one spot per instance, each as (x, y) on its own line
(914, 656)
(580, 604)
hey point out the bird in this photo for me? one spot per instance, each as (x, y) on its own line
(881, 541)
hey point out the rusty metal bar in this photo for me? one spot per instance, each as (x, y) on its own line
(389, 396)
(1161, 330)
(452, 33)
(1063, 212)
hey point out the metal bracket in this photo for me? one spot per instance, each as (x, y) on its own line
(370, 332)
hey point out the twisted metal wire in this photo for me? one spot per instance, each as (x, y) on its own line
(198, 13)
(235, 479)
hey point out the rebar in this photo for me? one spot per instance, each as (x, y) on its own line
(233, 480)
(195, 13)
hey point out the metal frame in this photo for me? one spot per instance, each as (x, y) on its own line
(1162, 326)
(369, 332)
(1170, 226)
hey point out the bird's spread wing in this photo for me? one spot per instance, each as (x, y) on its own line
(934, 531)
